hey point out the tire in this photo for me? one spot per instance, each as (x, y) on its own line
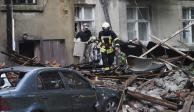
(110, 105)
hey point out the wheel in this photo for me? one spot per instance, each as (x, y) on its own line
(110, 105)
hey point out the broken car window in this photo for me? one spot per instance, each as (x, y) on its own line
(49, 81)
(11, 79)
(74, 81)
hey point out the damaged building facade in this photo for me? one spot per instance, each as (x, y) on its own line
(43, 29)
(139, 18)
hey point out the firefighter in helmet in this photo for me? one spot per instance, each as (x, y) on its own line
(107, 39)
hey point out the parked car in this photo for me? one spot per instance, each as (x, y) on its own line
(47, 89)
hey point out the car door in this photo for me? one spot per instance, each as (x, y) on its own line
(82, 94)
(52, 92)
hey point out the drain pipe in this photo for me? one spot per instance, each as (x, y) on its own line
(9, 8)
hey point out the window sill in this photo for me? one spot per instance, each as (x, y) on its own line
(24, 8)
(84, 20)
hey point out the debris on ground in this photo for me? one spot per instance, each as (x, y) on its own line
(145, 84)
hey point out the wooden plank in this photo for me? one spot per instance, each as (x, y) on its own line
(174, 49)
(151, 99)
(172, 36)
(187, 104)
(128, 82)
(27, 62)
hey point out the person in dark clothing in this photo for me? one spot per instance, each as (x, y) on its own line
(84, 34)
(107, 38)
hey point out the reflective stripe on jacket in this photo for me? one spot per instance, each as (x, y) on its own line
(106, 47)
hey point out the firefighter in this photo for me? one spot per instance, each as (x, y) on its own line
(107, 39)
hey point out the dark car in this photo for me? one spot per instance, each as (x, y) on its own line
(47, 89)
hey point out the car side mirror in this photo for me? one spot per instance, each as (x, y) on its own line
(2, 82)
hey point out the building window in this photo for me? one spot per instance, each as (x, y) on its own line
(188, 16)
(138, 23)
(24, 2)
(27, 48)
(24, 5)
(84, 14)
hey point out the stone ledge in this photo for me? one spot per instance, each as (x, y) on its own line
(39, 7)
(24, 8)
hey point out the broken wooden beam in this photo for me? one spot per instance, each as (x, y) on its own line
(146, 75)
(187, 104)
(27, 62)
(172, 36)
(174, 49)
(128, 82)
(151, 99)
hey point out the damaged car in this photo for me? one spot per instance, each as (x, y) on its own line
(48, 89)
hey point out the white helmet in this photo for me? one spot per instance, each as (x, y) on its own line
(105, 25)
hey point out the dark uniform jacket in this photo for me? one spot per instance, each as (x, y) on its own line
(84, 35)
(107, 33)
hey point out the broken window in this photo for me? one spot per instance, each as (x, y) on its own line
(138, 23)
(74, 81)
(188, 16)
(27, 48)
(49, 81)
(11, 78)
(84, 14)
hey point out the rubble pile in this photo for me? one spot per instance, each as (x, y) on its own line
(173, 87)
(167, 91)
(149, 90)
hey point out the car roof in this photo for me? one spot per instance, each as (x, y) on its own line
(24, 68)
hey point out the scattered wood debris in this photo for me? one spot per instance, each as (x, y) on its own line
(22, 60)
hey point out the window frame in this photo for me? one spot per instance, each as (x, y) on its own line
(43, 87)
(19, 75)
(137, 20)
(77, 75)
(35, 2)
(80, 21)
(190, 39)
(37, 7)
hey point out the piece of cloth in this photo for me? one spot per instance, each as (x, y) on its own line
(84, 35)
(120, 58)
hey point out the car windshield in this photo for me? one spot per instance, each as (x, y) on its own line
(11, 79)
